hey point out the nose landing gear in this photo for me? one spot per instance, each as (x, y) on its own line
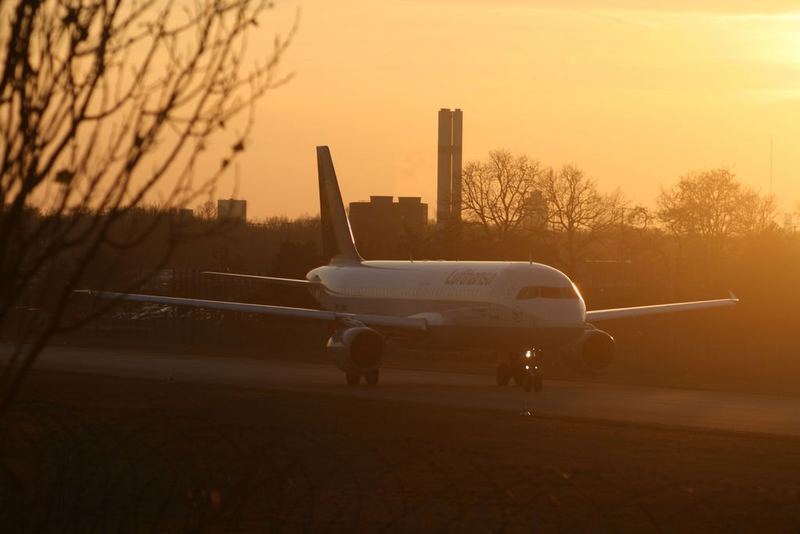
(524, 368)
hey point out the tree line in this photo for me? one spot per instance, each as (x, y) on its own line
(514, 209)
(508, 196)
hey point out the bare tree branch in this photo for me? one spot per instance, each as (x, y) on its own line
(577, 213)
(102, 103)
(501, 193)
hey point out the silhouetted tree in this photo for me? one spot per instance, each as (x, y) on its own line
(501, 193)
(578, 214)
(103, 102)
(206, 211)
(702, 212)
(713, 204)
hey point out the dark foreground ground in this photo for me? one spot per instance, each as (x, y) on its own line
(95, 454)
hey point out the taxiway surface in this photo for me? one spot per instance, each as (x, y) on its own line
(627, 404)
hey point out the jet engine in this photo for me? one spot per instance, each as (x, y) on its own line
(358, 349)
(593, 352)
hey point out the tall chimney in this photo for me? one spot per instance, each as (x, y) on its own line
(455, 172)
(443, 198)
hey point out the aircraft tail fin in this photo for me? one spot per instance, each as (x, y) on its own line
(338, 245)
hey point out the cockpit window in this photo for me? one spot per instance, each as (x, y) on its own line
(568, 293)
(532, 292)
(550, 292)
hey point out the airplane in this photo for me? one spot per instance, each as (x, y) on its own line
(518, 309)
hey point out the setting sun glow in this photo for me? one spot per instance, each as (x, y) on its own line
(635, 95)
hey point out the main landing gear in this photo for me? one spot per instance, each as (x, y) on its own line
(524, 368)
(370, 377)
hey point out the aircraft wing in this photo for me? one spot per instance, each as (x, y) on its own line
(386, 321)
(271, 279)
(636, 311)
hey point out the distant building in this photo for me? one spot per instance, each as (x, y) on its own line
(448, 175)
(535, 212)
(232, 210)
(380, 225)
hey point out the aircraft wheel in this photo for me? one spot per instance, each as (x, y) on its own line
(503, 375)
(372, 377)
(353, 379)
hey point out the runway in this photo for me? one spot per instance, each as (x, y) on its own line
(604, 402)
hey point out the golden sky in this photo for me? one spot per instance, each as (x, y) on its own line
(635, 95)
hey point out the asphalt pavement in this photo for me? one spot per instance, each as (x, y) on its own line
(625, 404)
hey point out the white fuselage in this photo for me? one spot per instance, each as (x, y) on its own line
(511, 305)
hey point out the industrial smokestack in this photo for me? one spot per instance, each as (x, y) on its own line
(443, 179)
(455, 172)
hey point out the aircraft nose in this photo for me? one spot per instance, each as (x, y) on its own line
(562, 323)
(565, 314)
